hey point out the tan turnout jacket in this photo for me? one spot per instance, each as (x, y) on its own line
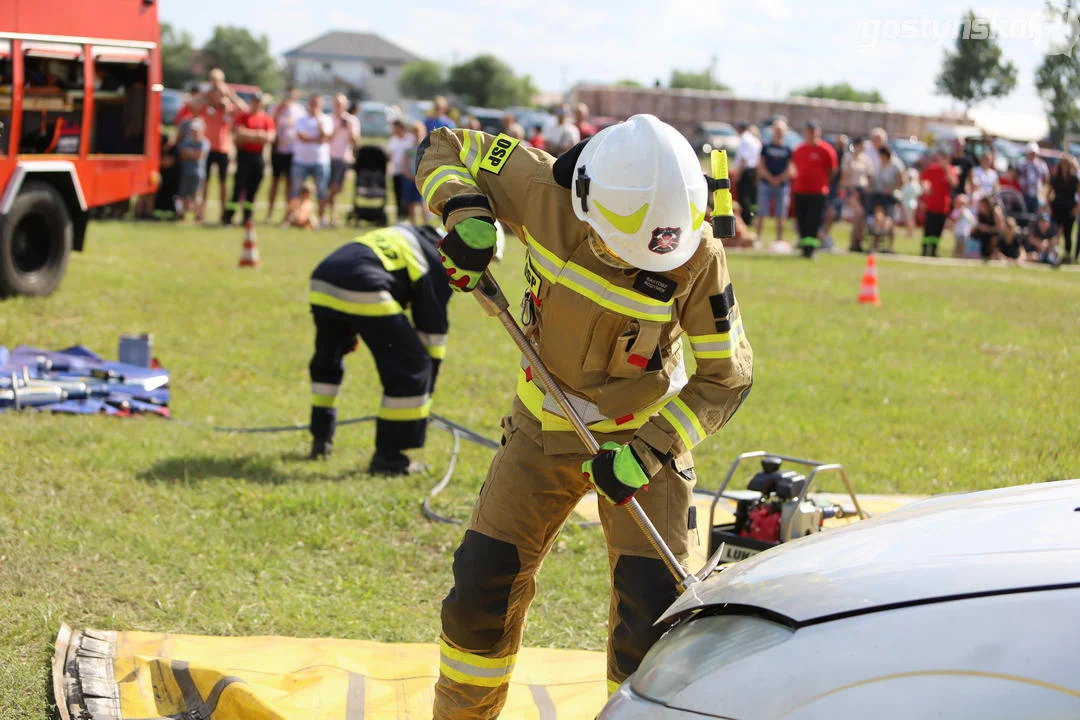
(612, 337)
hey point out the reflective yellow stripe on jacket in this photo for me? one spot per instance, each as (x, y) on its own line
(718, 346)
(532, 397)
(471, 669)
(685, 422)
(441, 175)
(472, 150)
(353, 302)
(590, 285)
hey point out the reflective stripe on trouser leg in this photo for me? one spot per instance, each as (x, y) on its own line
(405, 370)
(642, 587)
(334, 338)
(525, 500)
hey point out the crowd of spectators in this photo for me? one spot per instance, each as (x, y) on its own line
(311, 151)
(1025, 213)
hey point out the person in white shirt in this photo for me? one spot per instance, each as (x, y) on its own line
(344, 137)
(564, 135)
(878, 139)
(311, 151)
(396, 147)
(747, 157)
(984, 178)
(285, 115)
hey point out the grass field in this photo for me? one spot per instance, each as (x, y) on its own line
(965, 378)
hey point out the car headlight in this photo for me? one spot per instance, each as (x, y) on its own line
(699, 647)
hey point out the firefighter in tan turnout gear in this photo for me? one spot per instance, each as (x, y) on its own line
(624, 277)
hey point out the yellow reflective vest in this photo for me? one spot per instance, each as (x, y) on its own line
(612, 337)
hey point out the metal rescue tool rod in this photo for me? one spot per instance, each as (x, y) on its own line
(493, 301)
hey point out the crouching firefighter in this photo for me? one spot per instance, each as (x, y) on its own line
(362, 289)
(620, 265)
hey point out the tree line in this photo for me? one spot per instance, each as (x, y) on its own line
(245, 58)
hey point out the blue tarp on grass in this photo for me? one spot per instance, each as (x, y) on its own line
(79, 381)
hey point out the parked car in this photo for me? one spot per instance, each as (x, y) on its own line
(529, 118)
(1008, 153)
(490, 119)
(416, 110)
(910, 151)
(1052, 157)
(171, 103)
(375, 119)
(958, 606)
(792, 138)
(716, 136)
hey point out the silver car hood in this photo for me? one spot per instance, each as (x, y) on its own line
(945, 546)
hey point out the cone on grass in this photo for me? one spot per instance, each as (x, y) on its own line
(869, 292)
(249, 254)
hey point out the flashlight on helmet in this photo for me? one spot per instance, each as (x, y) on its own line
(723, 216)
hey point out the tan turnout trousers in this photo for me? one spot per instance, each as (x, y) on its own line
(526, 498)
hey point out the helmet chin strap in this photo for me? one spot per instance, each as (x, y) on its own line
(604, 254)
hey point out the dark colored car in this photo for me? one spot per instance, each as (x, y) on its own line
(491, 121)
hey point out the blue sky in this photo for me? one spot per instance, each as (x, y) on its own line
(763, 48)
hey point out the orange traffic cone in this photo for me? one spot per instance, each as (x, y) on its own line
(249, 255)
(869, 291)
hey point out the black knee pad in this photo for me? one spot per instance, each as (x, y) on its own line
(474, 613)
(643, 589)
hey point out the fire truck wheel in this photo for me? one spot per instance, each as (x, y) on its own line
(35, 241)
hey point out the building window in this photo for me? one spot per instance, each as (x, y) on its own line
(378, 70)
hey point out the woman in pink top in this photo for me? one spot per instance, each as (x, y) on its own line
(343, 139)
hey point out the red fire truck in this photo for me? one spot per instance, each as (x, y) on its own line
(80, 84)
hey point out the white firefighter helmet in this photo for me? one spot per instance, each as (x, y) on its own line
(640, 185)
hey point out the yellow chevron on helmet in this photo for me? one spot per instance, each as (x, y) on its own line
(639, 184)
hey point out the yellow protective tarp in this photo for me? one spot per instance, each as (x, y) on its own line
(139, 675)
(277, 678)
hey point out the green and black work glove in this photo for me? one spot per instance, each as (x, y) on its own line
(616, 472)
(466, 251)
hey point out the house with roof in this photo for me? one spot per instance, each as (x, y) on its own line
(364, 66)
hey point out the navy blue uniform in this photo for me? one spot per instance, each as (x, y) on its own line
(363, 288)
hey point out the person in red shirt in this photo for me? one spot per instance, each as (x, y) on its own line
(254, 130)
(537, 139)
(581, 119)
(815, 162)
(221, 108)
(938, 179)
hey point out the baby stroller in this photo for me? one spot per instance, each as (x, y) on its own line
(369, 195)
(1012, 204)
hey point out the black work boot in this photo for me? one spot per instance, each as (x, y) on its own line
(321, 449)
(393, 463)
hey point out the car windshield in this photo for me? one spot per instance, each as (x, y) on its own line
(374, 122)
(909, 152)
